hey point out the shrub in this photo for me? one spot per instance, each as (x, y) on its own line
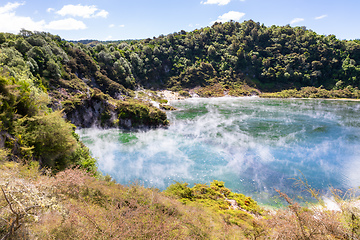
(139, 114)
(180, 190)
(50, 137)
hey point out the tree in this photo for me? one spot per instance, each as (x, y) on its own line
(52, 70)
(211, 51)
(2, 38)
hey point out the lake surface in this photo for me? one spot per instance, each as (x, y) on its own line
(254, 145)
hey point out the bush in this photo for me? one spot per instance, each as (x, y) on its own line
(50, 138)
(139, 114)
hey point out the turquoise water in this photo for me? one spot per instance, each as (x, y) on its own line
(254, 145)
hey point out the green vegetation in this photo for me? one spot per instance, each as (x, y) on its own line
(232, 54)
(72, 204)
(236, 209)
(76, 80)
(216, 195)
(313, 92)
(135, 113)
(167, 107)
(32, 131)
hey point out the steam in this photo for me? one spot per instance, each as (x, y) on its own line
(253, 144)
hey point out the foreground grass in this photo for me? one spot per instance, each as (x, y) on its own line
(74, 205)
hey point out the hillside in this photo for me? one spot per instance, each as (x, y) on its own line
(267, 58)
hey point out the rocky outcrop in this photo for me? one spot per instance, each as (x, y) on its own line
(92, 112)
(233, 205)
(10, 142)
(167, 107)
(99, 112)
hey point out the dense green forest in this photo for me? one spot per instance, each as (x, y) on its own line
(267, 58)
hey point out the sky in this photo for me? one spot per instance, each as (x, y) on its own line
(138, 19)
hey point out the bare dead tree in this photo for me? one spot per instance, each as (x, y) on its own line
(15, 220)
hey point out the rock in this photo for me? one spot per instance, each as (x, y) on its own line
(233, 204)
(169, 95)
(167, 107)
(92, 112)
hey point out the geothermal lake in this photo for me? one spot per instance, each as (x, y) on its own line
(252, 144)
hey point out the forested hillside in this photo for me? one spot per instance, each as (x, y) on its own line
(269, 58)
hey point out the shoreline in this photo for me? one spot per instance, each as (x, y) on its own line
(174, 96)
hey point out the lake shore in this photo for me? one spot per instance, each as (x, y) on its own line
(172, 95)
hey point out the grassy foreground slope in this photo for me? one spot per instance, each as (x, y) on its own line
(74, 205)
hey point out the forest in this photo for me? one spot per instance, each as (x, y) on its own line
(267, 58)
(50, 86)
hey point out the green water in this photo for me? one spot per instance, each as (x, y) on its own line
(254, 145)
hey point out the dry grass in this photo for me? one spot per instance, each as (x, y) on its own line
(304, 223)
(74, 205)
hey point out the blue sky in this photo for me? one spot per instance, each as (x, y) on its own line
(136, 19)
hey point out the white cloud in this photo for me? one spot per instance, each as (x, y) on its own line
(232, 15)
(50, 10)
(66, 24)
(192, 25)
(218, 2)
(9, 7)
(113, 25)
(102, 13)
(297, 20)
(82, 11)
(15, 23)
(321, 17)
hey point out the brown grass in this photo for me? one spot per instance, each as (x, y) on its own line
(74, 205)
